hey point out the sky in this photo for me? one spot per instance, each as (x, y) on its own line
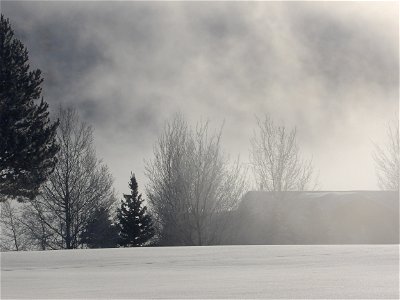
(328, 68)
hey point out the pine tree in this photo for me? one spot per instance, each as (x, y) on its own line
(27, 137)
(135, 225)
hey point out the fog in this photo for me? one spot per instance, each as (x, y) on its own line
(329, 68)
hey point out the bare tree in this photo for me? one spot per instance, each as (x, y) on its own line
(79, 185)
(12, 231)
(276, 161)
(192, 186)
(41, 237)
(21, 229)
(278, 168)
(387, 160)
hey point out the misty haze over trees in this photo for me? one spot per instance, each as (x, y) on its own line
(194, 190)
(276, 159)
(192, 185)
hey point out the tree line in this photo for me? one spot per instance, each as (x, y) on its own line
(65, 196)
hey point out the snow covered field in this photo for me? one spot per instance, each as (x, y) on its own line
(204, 272)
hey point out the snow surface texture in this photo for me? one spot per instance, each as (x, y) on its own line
(350, 271)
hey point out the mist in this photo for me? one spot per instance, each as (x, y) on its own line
(330, 69)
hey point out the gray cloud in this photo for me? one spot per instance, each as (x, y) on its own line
(331, 69)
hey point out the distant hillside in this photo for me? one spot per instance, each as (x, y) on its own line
(355, 217)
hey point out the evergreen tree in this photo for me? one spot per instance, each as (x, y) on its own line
(100, 232)
(135, 225)
(27, 137)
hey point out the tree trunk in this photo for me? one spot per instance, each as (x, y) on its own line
(68, 240)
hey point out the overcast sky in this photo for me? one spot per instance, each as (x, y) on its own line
(331, 69)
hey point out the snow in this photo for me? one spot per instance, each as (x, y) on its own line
(350, 271)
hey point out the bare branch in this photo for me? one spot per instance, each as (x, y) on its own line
(387, 160)
(275, 158)
(191, 184)
(79, 185)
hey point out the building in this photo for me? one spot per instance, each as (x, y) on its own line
(354, 217)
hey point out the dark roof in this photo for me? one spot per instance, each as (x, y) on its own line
(322, 196)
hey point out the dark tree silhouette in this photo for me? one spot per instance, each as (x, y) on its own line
(27, 137)
(135, 225)
(100, 232)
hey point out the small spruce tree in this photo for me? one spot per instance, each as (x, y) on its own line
(135, 225)
(27, 137)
